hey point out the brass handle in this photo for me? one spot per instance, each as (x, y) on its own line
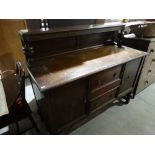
(152, 50)
(146, 82)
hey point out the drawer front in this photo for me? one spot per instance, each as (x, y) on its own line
(98, 92)
(102, 100)
(104, 77)
(129, 75)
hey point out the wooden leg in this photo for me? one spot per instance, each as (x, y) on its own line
(34, 124)
(18, 129)
(128, 97)
(125, 99)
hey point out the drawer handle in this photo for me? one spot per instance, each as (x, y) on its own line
(150, 70)
(152, 50)
(146, 82)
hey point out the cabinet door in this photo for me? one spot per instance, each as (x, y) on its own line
(68, 103)
(129, 75)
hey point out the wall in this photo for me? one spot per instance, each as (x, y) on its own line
(10, 45)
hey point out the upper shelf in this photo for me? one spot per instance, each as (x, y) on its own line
(33, 34)
(42, 43)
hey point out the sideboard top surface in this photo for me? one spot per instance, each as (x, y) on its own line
(61, 69)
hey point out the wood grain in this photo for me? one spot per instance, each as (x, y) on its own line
(59, 70)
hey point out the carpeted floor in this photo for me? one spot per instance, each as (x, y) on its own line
(136, 118)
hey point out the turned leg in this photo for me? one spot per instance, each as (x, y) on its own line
(128, 97)
(125, 99)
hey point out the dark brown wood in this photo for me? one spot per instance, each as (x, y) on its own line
(69, 103)
(103, 100)
(53, 23)
(102, 78)
(129, 76)
(137, 43)
(38, 34)
(42, 43)
(33, 23)
(61, 69)
(109, 86)
(77, 72)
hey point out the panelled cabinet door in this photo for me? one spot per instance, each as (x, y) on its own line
(129, 75)
(69, 103)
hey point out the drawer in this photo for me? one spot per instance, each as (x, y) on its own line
(104, 77)
(102, 90)
(103, 100)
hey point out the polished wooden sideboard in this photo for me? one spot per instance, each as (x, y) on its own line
(77, 72)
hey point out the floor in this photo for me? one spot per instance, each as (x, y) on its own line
(135, 118)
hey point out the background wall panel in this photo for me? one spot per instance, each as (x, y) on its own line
(10, 44)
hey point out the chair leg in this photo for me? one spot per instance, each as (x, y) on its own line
(34, 124)
(18, 129)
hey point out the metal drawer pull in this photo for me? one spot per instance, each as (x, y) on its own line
(150, 70)
(146, 82)
(152, 50)
(153, 59)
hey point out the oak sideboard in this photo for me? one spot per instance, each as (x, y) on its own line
(78, 72)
